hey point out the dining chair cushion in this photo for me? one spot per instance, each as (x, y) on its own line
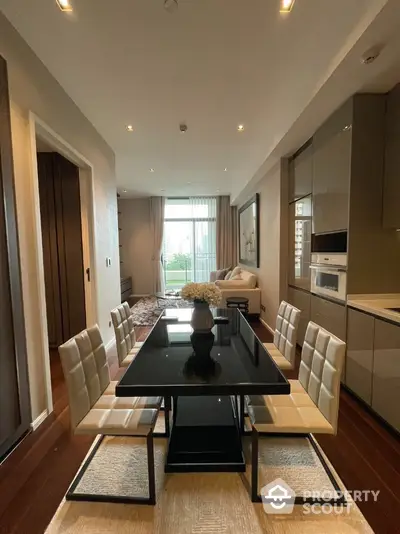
(129, 359)
(111, 402)
(280, 360)
(118, 422)
(85, 367)
(110, 388)
(124, 330)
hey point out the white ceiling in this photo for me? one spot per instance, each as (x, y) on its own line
(212, 64)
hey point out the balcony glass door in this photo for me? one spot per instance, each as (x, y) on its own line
(189, 252)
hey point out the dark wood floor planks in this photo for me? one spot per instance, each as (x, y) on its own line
(37, 474)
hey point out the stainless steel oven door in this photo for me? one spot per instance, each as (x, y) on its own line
(329, 281)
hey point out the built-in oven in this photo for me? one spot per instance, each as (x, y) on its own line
(329, 275)
(329, 265)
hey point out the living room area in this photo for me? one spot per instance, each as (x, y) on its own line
(198, 244)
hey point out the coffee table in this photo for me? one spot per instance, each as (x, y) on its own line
(207, 421)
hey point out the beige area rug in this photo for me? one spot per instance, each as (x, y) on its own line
(197, 503)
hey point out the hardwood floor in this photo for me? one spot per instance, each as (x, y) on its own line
(36, 475)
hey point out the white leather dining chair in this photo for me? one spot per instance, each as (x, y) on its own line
(127, 346)
(283, 349)
(313, 403)
(94, 408)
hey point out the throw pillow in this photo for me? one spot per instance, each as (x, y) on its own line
(221, 273)
(236, 277)
(236, 270)
(228, 276)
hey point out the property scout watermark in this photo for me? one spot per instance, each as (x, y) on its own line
(278, 498)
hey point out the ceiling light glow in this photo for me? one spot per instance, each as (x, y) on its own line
(240, 128)
(225, 170)
(151, 170)
(129, 128)
(64, 5)
(286, 6)
(125, 191)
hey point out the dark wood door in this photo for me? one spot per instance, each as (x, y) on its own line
(14, 388)
(62, 246)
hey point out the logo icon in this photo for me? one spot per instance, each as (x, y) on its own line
(277, 497)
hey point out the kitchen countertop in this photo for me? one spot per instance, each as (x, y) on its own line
(376, 305)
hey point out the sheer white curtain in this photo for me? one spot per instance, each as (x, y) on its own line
(204, 214)
(157, 207)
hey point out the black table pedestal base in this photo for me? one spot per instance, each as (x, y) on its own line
(204, 437)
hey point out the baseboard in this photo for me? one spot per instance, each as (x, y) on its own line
(39, 419)
(110, 344)
(267, 326)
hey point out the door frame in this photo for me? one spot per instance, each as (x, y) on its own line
(38, 128)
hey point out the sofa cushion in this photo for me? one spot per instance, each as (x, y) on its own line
(232, 284)
(236, 270)
(221, 273)
(228, 275)
(250, 278)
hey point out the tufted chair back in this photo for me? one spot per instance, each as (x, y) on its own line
(124, 330)
(321, 365)
(85, 366)
(285, 337)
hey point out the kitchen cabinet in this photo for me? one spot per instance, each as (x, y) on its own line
(360, 354)
(330, 315)
(386, 372)
(301, 300)
(301, 172)
(300, 243)
(391, 188)
(331, 171)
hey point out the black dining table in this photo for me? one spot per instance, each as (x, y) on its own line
(207, 376)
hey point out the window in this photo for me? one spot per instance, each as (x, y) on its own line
(189, 251)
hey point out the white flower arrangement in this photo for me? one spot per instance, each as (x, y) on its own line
(202, 292)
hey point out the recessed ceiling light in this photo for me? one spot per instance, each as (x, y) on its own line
(225, 170)
(151, 169)
(286, 6)
(240, 128)
(189, 183)
(124, 191)
(64, 5)
(129, 128)
(218, 190)
(162, 190)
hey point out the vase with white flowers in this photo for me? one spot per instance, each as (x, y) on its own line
(203, 295)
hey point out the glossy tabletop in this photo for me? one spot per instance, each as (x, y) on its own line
(167, 364)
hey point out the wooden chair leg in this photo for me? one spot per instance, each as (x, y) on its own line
(151, 468)
(254, 465)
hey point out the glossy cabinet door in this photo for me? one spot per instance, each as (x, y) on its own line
(331, 172)
(300, 243)
(386, 372)
(301, 174)
(391, 189)
(302, 301)
(360, 354)
(330, 315)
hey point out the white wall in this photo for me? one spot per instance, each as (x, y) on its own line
(136, 243)
(32, 88)
(272, 273)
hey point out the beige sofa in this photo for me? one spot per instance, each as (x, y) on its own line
(245, 287)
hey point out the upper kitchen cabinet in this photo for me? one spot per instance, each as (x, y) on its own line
(331, 171)
(391, 189)
(301, 172)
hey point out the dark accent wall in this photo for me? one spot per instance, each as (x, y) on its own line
(60, 210)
